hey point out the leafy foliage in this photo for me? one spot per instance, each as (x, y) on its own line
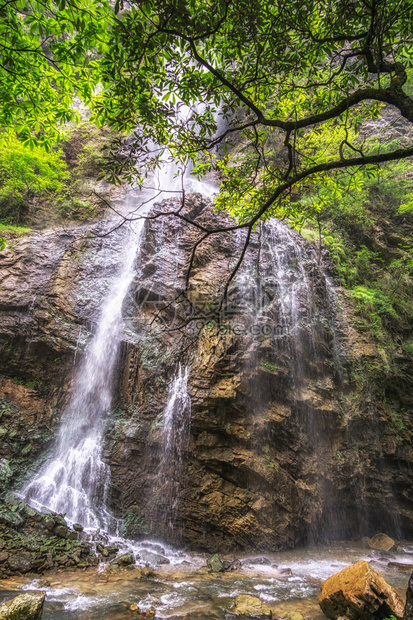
(47, 59)
(24, 173)
(26, 170)
(39, 188)
(355, 227)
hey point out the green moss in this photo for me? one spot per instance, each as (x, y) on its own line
(272, 367)
(11, 230)
(31, 384)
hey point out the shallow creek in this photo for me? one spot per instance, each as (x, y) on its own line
(289, 584)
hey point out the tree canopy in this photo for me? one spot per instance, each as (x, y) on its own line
(247, 89)
(257, 74)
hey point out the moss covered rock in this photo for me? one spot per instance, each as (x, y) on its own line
(27, 606)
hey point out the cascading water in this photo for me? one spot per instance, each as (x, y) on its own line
(281, 296)
(174, 439)
(75, 480)
(292, 312)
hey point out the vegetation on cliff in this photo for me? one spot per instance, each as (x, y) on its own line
(41, 188)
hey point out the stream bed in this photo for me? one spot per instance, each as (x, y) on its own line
(288, 582)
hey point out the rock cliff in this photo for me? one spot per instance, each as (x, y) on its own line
(296, 433)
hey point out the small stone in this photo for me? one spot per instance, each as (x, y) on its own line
(381, 542)
(124, 560)
(112, 549)
(26, 450)
(261, 561)
(22, 561)
(153, 559)
(295, 617)
(11, 519)
(77, 527)
(62, 531)
(133, 607)
(30, 512)
(147, 572)
(48, 522)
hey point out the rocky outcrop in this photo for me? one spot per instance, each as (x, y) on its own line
(359, 592)
(27, 606)
(289, 442)
(34, 542)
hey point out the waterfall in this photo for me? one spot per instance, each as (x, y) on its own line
(280, 298)
(173, 442)
(75, 480)
(290, 315)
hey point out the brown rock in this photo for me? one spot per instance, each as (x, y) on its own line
(408, 610)
(359, 592)
(381, 542)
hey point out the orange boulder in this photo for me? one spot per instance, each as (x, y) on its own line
(359, 592)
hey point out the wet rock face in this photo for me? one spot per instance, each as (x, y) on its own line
(285, 445)
(51, 285)
(281, 436)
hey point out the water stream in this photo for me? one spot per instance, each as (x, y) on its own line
(288, 582)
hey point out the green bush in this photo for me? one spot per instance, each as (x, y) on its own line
(25, 173)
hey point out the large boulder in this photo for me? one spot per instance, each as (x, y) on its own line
(27, 606)
(251, 607)
(359, 592)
